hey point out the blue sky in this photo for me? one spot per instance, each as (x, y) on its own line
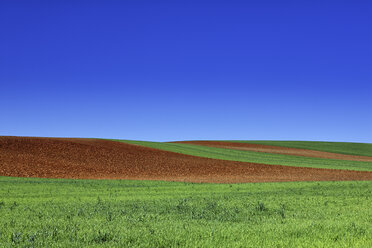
(182, 70)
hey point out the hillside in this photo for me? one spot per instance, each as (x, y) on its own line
(255, 156)
(103, 159)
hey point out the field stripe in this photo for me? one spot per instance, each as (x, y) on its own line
(361, 149)
(255, 157)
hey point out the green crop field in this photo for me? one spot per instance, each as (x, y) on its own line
(118, 213)
(362, 149)
(255, 157)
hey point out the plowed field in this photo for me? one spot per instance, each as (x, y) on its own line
(103, 159)
(278, 150)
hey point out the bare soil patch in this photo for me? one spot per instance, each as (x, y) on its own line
(278, 150)
(102, 159)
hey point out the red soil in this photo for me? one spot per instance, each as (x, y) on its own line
(278, 150)
(102, 159)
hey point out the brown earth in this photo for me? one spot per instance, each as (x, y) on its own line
(277, 149)
(102, 159)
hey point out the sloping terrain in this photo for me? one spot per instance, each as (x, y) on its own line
(103, 159)
(278, 150)
(350, 148)
(254, 156)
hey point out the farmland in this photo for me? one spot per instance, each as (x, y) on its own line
(256, 157)
(122, 213)
(363, 149)
(183, 194)
(105, 159)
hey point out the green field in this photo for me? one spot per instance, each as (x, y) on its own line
(362, 149)
(119, 213)
(255, 157)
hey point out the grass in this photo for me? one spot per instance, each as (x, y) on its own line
(255, 157)
(362, 149)
(118, 213)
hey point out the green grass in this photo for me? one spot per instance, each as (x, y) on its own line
(119, 213)
(255, 157)
(362, 149)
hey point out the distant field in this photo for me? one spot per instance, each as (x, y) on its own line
(362, 149)
(121, 213)
(105, 159)
(257, 157)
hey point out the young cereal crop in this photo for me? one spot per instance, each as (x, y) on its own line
(119, 213)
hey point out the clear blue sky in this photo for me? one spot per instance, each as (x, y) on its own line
(181, 70)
